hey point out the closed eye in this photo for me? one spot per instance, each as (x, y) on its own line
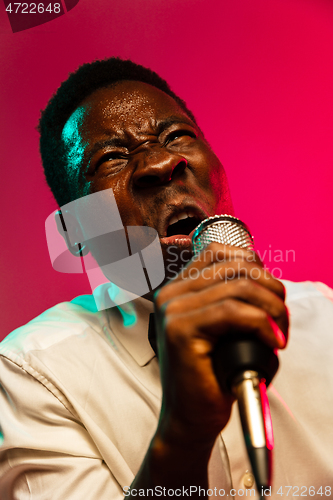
(179, 134)
(111, 156)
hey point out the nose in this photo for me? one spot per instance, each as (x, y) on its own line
(158, 167)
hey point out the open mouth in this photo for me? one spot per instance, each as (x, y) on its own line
(180, 228)
(182, 224)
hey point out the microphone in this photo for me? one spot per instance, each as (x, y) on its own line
(242, 363)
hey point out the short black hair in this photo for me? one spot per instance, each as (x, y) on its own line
(67, 186)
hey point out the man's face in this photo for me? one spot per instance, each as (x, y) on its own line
(137, 140)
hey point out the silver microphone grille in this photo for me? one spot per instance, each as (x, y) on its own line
(222, 229)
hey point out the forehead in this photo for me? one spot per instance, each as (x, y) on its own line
(125, 104)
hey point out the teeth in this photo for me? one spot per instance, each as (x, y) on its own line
(181, 216)
(173, 220)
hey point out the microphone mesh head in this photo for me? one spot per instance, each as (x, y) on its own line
(222, 229)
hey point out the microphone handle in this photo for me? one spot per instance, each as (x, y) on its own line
(245, 366)
(242, 363)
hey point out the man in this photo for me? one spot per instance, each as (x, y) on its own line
(87, 411)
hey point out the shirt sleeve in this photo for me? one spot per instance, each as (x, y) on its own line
(45, 451)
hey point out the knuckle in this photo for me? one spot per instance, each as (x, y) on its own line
(171, 325)
(229, 307)
(279, 287)
(254, 257)
(243, 286)
(160, 297)
(262, 321)
(282, 290)
(281, 310)
(277, 308)
(283, 319)
(214, 252)
(215, 246)
(169, 309)
(156, 295)
(279, 290)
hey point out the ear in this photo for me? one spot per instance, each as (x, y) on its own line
(70, 231)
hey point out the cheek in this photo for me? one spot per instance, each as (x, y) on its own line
(218, 183)
(128, 205)
(213, 174)
(217, 178)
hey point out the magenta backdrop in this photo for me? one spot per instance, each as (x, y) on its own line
(258, 76)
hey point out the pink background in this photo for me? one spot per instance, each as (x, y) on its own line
(259, 77)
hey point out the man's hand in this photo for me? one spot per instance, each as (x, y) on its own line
(225, 290)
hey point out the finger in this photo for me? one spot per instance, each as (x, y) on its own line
(198, 279)
(240, 289)
(215, 320)
(218, 252)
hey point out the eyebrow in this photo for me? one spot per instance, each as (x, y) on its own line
(174, 119)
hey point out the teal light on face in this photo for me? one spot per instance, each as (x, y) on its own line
(75, 149)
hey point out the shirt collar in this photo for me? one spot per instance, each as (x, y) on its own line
(129, 322)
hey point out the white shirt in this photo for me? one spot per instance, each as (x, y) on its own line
(81, 397)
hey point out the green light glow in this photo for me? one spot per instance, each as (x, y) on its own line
(75, 149)
(126, 310)
(86, 301)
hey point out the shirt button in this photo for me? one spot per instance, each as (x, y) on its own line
(248, 479)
